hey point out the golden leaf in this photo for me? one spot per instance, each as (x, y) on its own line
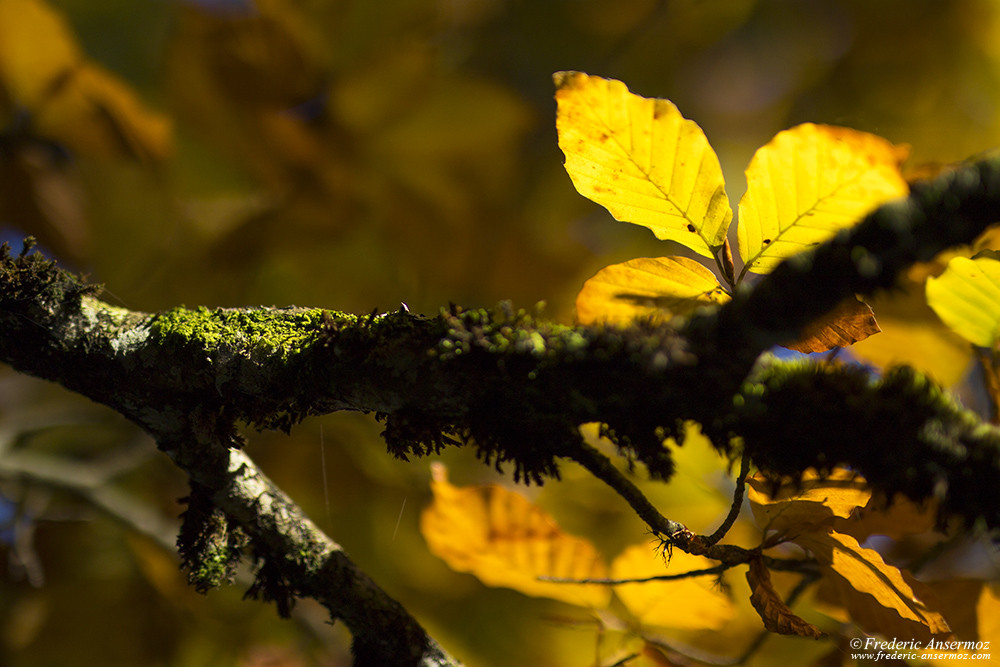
(880, 597)
(777, 616)
(693, 603)
(71, 99)
(967, 297)
(850, 322)
(661, 287)
(642, 160)
(802, 506)
(809, 182)
(36, 48)
(897, 519)
(504, 540)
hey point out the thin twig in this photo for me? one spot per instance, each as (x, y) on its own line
(717, 569)
(734, 510)
(600, 466)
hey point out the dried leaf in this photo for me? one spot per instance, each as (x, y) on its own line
(644, 287)
(642, 160)
(505, 540)
(777, 616)
(809, 182)
(852, 321)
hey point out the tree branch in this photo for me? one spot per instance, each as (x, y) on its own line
(517, 389)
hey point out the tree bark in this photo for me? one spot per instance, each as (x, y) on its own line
(513, 386)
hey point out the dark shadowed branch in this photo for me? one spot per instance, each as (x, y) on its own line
(515, 387)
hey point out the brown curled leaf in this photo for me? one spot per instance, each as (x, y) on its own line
(773, 611)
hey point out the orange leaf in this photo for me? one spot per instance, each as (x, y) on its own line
(897, 519)
(813, 501)
(880, 597)
(852, 321)
(505, 540)
(777, 616)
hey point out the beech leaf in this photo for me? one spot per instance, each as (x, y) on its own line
(809, 182)
(642, 160)
(852, 321)
(879, 596)
(777, 616)
(806, 504)
(664, 286)
(692, 603)
(505, 540)
(967, 297)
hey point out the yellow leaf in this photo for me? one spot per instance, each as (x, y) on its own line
(71, 99)
(852, 321)
(879, 596)
(777, 616)
(967, 297)
(642, 160)
(690, 603)
(799, 507)
(661, 287)
(809, 182)
(95, 113)
(505, 540)
(36, 48)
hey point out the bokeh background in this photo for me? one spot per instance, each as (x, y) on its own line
(358, 155)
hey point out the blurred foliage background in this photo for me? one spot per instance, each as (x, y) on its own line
(356, 155)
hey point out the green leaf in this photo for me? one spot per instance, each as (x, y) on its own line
(967, 297)
(642, 160)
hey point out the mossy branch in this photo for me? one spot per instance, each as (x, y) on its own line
(515, 387)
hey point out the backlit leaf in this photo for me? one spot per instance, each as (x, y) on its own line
(643, 161)
(879, 596)
(899, 518)
(967, 297)
(777, 616)
(800, 506)
(852, 321)
(694, 603)
(664, 286)
(505, 540)
(809, 182)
